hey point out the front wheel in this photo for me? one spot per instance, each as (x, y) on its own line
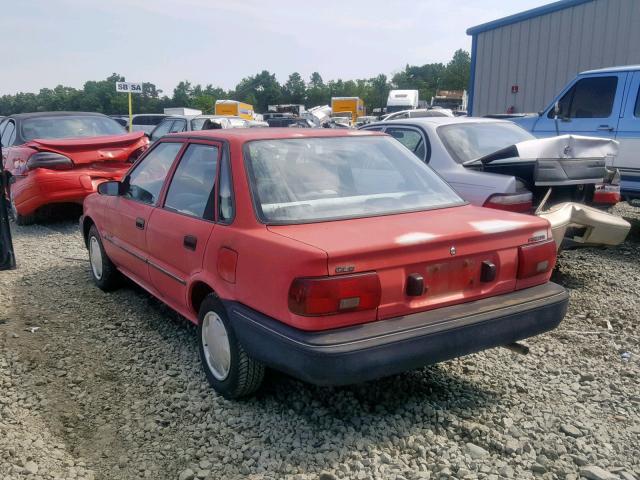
(103, 271)
(229, 370)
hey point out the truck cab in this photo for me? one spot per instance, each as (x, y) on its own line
(602, 103)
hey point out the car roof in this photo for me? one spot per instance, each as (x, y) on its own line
(437, 121)
(24, 116)
(623, 68)
(248, 134)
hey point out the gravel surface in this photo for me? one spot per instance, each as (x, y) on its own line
(109, 386)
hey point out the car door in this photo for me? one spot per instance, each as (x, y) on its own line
(125, 235)
(178, 231)
(590, 106)
(628, 134)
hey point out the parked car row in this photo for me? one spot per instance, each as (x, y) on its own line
(392, 260)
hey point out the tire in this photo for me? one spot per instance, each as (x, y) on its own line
(103, 271)
(22, 220)
(233, 373)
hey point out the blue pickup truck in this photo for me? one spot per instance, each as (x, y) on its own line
(603, 103)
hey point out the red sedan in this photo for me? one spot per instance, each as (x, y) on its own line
(61, 157)
(335, 256)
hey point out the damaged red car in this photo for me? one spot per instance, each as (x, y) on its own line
(335, 256)
(58, 158)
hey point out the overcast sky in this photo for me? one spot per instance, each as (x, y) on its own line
(221, 41)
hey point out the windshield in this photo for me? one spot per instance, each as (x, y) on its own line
(70, 127)
(470, 141)
(313, 179)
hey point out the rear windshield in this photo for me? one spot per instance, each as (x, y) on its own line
(470, 141)
(70, 127)
(314, 179)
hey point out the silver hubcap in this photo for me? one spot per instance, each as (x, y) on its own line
(215, 342)
(95, 256)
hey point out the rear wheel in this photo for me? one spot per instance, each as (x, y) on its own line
(22, 220)
(103, 271)
(229, 370)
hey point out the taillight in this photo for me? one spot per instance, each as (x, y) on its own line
(50, 160)
(330, 295)
(519, 202)
(536, 258)
(136, 153)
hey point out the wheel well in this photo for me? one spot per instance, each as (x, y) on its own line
(86, 226)
(199, 292)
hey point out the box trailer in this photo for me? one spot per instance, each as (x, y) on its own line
(351, 105)
(235, 109)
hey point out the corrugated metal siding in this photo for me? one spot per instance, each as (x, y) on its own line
(542, 54)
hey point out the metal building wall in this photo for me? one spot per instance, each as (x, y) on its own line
(543, 53)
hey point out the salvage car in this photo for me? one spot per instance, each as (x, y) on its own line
(497, 164)
(58, 158)
(335, 256)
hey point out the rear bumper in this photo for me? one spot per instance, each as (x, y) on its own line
(42, 187)
(365, 352)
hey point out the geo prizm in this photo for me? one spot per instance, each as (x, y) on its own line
(335, 256)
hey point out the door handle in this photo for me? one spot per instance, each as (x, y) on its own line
(190, 242)
(605, 128)
(140, 223)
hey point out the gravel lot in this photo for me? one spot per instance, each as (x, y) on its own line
(109, 386)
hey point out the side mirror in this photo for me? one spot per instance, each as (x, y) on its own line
(111, 188)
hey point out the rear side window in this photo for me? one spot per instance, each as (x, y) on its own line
(145, 182)
(226, 208)
(192, 188)
(589, 98)
(410, 139)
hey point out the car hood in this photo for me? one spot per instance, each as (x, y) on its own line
(84, 150)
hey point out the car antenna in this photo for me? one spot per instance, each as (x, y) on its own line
(7, 256)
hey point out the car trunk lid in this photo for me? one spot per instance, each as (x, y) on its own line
(446, 247)
(83, 151)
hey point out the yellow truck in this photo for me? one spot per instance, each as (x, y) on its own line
(234, 108)
(352, 105)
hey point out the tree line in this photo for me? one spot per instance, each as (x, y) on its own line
(260, 90)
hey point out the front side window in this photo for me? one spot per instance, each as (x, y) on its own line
(588, 98)
(162, 129)
(307, 180)
(470, 141)
(637, 110)
(71, 126)
(178, 126)
(192, 187)
(145, 182)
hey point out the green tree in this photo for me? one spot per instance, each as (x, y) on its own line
(294, 90)
(457, 72)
